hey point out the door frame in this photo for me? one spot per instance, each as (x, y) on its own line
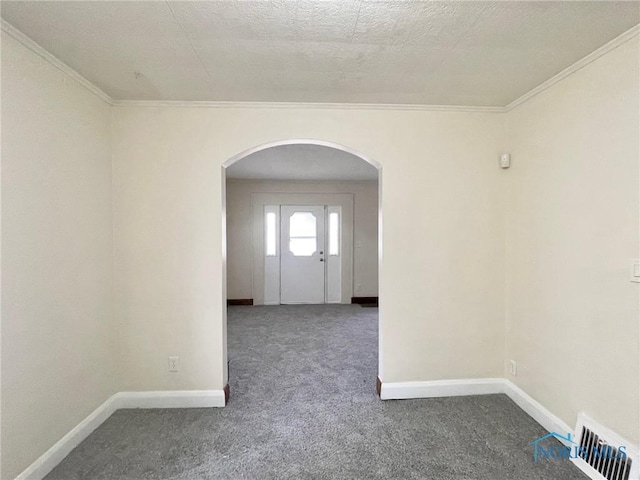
(301, 141)
(260, 200)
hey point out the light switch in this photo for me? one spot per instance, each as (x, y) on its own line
(635, 271)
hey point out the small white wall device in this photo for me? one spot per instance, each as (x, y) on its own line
(505, 160)
(635, 270)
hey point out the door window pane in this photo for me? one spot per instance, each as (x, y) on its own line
(302, 224)
(302, 234)
(303, 247)
(270, 234)
(334, 234)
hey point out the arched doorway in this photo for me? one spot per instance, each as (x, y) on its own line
(267, 288)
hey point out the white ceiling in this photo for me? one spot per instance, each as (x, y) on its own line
(415, 52)
(302, 162)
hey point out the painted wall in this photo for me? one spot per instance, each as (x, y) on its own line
(442, 272)
(58, 338)
(573, 224)
(240, 230)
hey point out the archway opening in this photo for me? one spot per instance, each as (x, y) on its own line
(302, 230)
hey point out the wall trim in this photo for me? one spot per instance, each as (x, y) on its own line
(441, 388)
(52, 457)
(239, 301)
(479, 386)
(306, 105)
(170, 399)
(364, 300)
(55, 61)
(535, 409)
(159, 399)
(579, 65)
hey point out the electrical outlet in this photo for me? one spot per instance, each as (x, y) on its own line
(174, 364)
(513, 367)
(358, 288)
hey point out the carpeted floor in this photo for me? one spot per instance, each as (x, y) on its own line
(303, 406)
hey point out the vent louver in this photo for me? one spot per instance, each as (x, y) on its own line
(604, 458)
(602, 454)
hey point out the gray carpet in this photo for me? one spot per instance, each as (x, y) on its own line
(303, 406)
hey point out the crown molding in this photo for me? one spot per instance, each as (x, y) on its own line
(63, 67)
(580, 64)
(55, 61)
(305, 105)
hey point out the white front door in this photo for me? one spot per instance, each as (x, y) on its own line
(302, 259)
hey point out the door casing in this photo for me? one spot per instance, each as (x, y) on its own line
(260, 200)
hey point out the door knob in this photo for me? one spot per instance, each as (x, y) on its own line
(321, 253)
(322, 259)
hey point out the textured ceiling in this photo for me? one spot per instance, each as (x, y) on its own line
(302, 162)
(416, 52)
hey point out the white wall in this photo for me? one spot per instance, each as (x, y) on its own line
(442, 273)
(240, 230)
(58, 339)
(573, 224)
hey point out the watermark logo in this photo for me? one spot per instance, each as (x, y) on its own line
(545, 448)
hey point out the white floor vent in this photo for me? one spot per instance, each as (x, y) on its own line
(603, 454)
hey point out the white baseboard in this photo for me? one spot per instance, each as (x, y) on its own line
(475, 386)
(52, 457)
(540, 414)
(171, 399)
(161, 399)
(441, 388)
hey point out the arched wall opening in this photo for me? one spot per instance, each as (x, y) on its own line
(290, 142)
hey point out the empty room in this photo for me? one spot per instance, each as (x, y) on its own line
(305, 239)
